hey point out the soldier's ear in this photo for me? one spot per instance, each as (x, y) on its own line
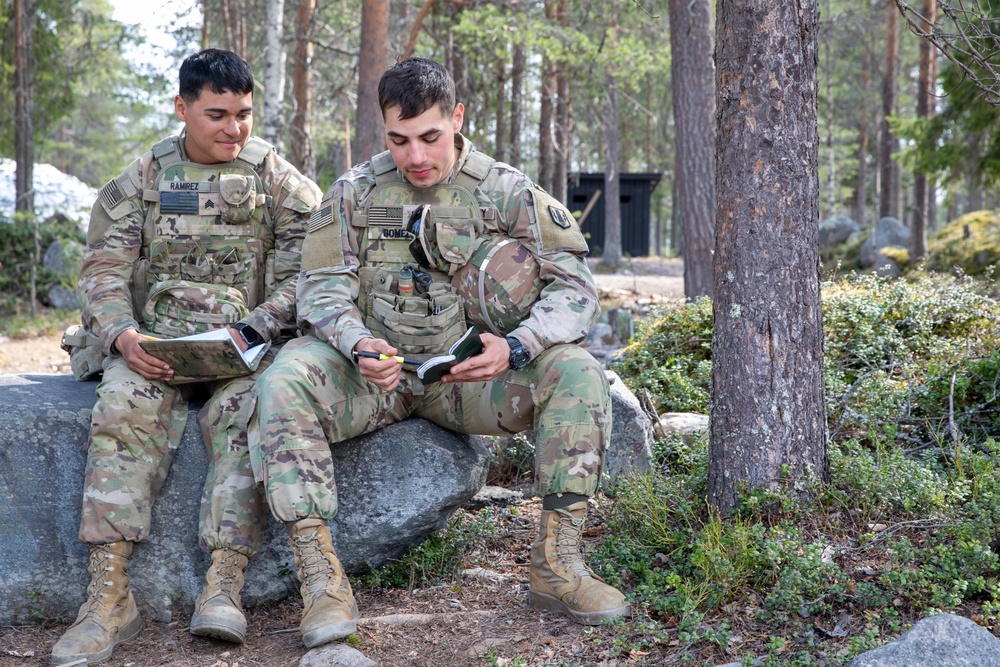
(458, 117)
(180, 108)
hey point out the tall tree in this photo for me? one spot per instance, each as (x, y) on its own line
(768, 412)
(693, 76)
(888, 192)
(611, 256)
(925, 106)
(369, 135)
(516, 97)
(563, 114)
(274, 74)
(24, 134)
(547, 112)
(302, 149)
(234, 24)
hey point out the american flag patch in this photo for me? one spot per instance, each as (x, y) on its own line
(385, 216)
(321, 218)
(111, 194)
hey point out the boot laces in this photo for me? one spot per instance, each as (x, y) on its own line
(100, 565)
(228, 569)
(318, 574)
(567, 551)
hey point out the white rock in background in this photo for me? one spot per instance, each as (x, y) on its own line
(55, 192)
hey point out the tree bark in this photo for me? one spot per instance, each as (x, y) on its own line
(888, 195)
(925, 96)
(516, 105)
(302, 150)
(546, 115)
(24, 133)
(274, 74)
(500, 149)
(369, 136)
(561, 138)
(611, 255)
(234, 19)
(861, 187)
(693, 82)
(768, 413)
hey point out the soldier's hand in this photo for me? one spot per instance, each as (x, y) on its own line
(139, 360)
(485, 366)
(383, 374)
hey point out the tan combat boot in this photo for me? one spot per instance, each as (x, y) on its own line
(218, 612)
(561, 580)
(330, 610)
(109, 616)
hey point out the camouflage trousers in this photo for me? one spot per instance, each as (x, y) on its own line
(136, 428)
(312, 397)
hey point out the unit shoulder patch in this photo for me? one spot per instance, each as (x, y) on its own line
(557, 228)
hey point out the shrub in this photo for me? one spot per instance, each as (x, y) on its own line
(17, 239)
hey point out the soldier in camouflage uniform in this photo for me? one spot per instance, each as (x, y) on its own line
(203, 232)
(433, 209)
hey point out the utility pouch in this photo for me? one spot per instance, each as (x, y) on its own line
(239, 197)
(181, 307)
(85, 355)
(450, 237)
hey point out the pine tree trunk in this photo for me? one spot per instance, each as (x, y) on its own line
(611, 255)
(500, 150)
(24, 139)
(302, 150)
(369, 137)
(274, 75)
(768, 413)
(888, 194)
(516, 97)
(693, 73)
(925, 92)
(563, 144)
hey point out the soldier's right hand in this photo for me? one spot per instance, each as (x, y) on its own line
(383, 374)
(139, 360)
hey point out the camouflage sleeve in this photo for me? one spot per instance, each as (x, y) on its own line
(295, 199)
(114, 239)
(568, 305)
(329, 285)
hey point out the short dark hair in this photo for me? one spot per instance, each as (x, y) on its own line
(415, 85)
(220, 70)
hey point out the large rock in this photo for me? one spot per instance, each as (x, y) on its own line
(889, 233)
(631, 448)
(939, 641)
(836, 230)
(395, 487)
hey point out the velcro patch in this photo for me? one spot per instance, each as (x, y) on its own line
(111, 194)
(559, 216)
(321, 218)
(179, 203)
(385, 216)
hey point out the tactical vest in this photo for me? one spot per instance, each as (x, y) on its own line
(207, 239)
(426, 320)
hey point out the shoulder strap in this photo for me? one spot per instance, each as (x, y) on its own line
(167, 152)
(384, 168)
(255, 152)
(476, 168)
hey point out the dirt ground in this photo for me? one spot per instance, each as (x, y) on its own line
(481, 619)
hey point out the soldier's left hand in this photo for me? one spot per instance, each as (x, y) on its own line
(485, 366)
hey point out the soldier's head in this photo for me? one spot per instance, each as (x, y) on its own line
(215, 102)
(417, 98)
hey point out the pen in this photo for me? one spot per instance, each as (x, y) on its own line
(383, 357)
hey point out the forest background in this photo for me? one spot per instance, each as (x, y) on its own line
(870, 497)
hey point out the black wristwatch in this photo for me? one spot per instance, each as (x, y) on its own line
(519, 355)
(248, 334)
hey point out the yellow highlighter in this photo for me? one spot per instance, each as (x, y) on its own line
(382, 357)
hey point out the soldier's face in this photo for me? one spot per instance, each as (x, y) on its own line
(218, 125)
(423, 147)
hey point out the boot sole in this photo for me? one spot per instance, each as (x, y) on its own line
(130, 630)
(334, 631)
(545, 602)
(219, 627)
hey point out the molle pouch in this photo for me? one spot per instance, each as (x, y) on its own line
(418, 325)
(85, 355)
(452, 237)
(239, 198)
(180, 308)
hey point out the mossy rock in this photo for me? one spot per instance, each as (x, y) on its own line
(971, 243)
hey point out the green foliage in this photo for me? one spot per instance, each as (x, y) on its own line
(17, 238)
(670, 357)
(970, 243)
(440, 557)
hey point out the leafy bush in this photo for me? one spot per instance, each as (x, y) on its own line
(970, 243)
(17, 239)
(670, 358)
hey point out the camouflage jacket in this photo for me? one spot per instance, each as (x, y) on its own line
(328, 288)
(114, 245)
